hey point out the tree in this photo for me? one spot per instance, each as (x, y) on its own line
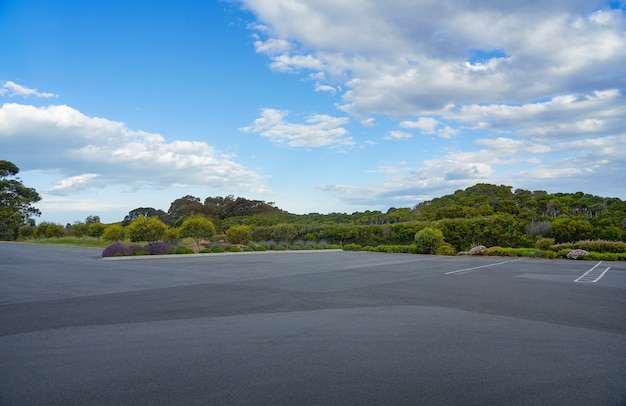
(26, 232)
(570, 230)
(15, 201)
(239, 234)
(183, 207)
(428, 240)
(80, 230)
(54, 230)
(147, 212)
(92, 219)
(284, 232)
(198, 228)
(114, 233)
(96, 229)
(149, 229)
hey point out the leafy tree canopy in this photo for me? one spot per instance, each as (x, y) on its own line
(16, 202)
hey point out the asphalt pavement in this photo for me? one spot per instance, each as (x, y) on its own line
(309, 328)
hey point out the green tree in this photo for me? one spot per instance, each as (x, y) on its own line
(55, 231)
(239, 234)
(172, 235)
(149, 229)
(284, 232)
(428, 240)
(15, 201)
(26, 232)
(570, 229)
(92, 219)
(96, 229)
(114, 233)
(80, 229)
(198, 228)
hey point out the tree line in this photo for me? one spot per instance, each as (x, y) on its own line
(490, 215)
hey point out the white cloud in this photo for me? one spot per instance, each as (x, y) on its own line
(397, 135)
(13, 89)
(319, 131)
(368, 122)
(562, 165)
(429, 125)
(401, 58)
(596, 113)
(96, 152)
(426, 125)
(325, 88)
(73, 183)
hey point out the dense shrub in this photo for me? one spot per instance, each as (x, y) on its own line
(445, 249)
(183, 250)
(136, 249)
(234, 248)
(393, 249)
(428, 240)
(217, 248)
(521, 252)
(602, 246)
(116, 250)
(205, 251)
(606, 256)
(158, 248)
(352, 247)
(544, 243)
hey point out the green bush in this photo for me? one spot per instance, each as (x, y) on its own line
(544, 243)
(352, 247)
(606, 256)
(234, 248)
(205, 251)
(521, 252)
(260, 248)
(428, 240)
(183, 250)
(217, 249)
(445, 249)
(594, 245)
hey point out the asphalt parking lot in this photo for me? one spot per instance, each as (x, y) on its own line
(309, 328)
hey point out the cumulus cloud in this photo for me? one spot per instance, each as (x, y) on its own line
(418, 58)
(319, 130)
(97, 152)
(429, 125)
(10, 88)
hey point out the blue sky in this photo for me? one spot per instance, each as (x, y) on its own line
(318, 106)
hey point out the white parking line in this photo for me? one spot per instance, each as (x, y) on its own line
(592, 277)
(483, 266)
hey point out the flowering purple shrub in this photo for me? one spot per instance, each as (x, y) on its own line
(158, 248)
(136, 250)
(479, 250)
(577, 254)
(116, 250)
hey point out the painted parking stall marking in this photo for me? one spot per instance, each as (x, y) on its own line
(593, 275)
(482, 266)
